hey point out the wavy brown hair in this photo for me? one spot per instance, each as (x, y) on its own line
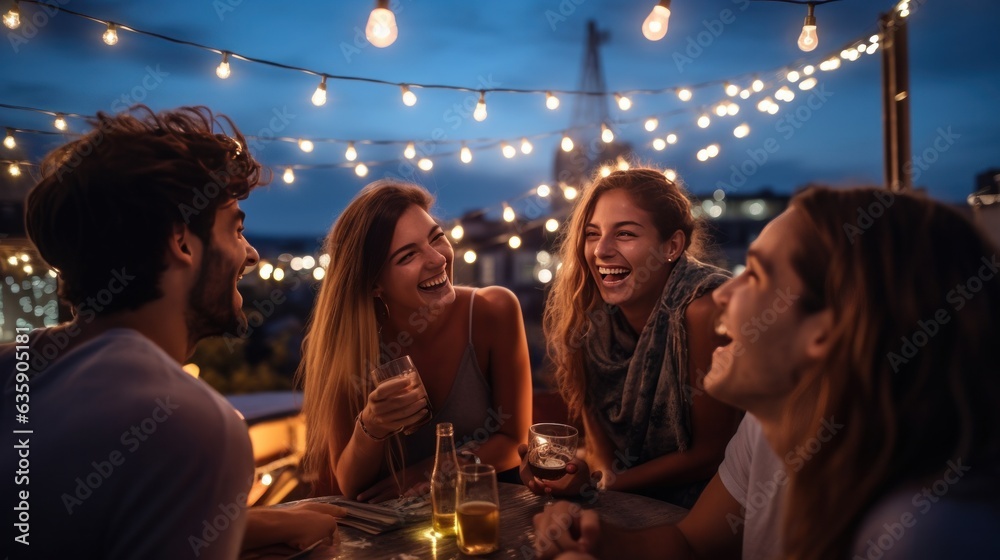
(341, 346)
(575, 297)
(888, 266)
(110, 199)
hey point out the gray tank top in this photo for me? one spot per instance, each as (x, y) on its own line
(467, 407)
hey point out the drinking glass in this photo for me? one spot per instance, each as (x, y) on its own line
(477, 514)
(550, 448)
(404, 367)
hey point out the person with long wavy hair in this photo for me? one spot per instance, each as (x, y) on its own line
(388, 292)
(860, 347)
(629, 325)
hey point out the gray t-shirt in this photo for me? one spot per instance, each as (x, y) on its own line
(128, 456)
(756, 478)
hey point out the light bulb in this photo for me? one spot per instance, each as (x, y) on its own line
(289, 176)
(807, 84)
(745, 94)
(508, 213)
(624, 103)
(570, 193)
(410, 151)
(792, 76)
(606, 135)
(457, 232)
(670, 174)
(60, 122)
(763, 104)
(469, 256)
(732, 109)
(567, 144)
(720, 109)
(655, 26)
(543, 191)
(12, 19)
(480, 113)
(651, 124)
(9, 142)
(732, 90)
(702, 155)
(351, 154)
(808, 40)
(306, 145)
(319, 96)
(605, 171)
(704, 121)
(514, 242)
(381, 30)
(223, 70)
(425, 164)
(110, 35)
(526, 146)
(551, 101)
(712, 150)
(741, 131)
(809, 70)
(466, 154)
(671, 138)
(684, 94)
(757, 85)
(409, 98)
(622, 164)
(361, 170)
(14, 169)
(659, 144)
(773, 109)
(551, 224)
(508, 150)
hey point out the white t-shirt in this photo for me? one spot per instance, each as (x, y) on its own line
(755, 476)
(129, 456)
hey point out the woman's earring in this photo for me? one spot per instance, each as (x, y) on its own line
(381, 312)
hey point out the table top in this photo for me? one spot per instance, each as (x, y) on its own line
(517, 508)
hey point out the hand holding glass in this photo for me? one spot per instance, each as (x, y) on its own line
(550, 448)
(400, 397)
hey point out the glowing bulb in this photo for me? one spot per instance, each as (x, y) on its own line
(222, 71)
(60, 122)
(720, 109)
(12, 19)
(319, 96)
(712, 150)
(381, 30)
(757, 85)
(289, 176)
(732, 109)
(873, 39)
(570, 193)
(670, 174)
(606, 135)
(508, 150)
(551, 224)
(763, 104)
(551, 101)
(605, 171)
(526, 146)
(830, 64)
(278, 274)
(732, 90)
(351, 154)
(514, 242)
(624, 103)
(703, 155)
(792, 76)
(773, 109)
(480, 113)
(543, 191)
(745, 94)
(704, 121)
(469, 256)
(808, 70)
(14, 169)
(622, 164)
(361, 170)
(567, 144)
(671, 138)
(655, 26)
(110, 35)
(9, 142)
(410, 151)
(306, 145)
(466, 154)
(741, 131)
(425, 164)
(684, 94)
(807, 84)
(809, 39)
(409, 98)
(659, 144)
(508, 214)
(458, 232)
(651, 124)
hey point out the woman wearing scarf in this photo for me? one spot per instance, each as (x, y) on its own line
(630, 330)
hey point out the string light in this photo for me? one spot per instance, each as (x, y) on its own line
(480, 113)
(458, 232)
(606, 135)
(757, 85)
(745, 94)
(319, 96)
(465, 154)
(624, 103)
(671, 138)
(764, 104)
(773, 109)
(409, 98)
(741, 131)
(670, 174)
(543, 190)
(514, 242)
(622, 164)
(659, 144)
(792, 76)
(381, 30)
(712, 150)
(551, 225)
(14, 170)
(732, 90)
(425, 164)
(508, 213)
(410, 151)
(721, 109)
(651, 124)
(351, 154)
(784, 94)
(809, 39)
(655, 26)
(12, 19)
(9, 142)
(732, 109)
(807, 84)
(289, 176)
(361, 170)
(605, 171)
(704, 121)
(526, 147)
(570, 193)
(508, 150)
(684, 94)
(469, 256)
(702, 155)
(223, 70)
(830, 64)
(809, 70)
(566, 144)
(110, 35)
(306, 145)
(551, 101)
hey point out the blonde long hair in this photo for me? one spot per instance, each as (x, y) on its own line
(341, 346)
(575, 298)
(887, 265)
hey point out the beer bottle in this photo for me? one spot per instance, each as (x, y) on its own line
(444, 481)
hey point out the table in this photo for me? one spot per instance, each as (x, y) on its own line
(517, 508)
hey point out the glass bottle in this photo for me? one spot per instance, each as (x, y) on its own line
(444, 481)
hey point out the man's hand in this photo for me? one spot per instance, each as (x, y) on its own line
(569, 486)
(294, 528)
(566, 527)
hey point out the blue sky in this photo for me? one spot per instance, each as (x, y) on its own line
(519, 44)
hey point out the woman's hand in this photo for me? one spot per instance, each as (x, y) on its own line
(565, 527)
(569, 486)
(392, 406)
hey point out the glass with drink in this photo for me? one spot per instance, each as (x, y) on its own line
(550, 448)
(403, 367)
(477, 515)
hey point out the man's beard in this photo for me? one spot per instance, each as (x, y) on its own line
(211, 311)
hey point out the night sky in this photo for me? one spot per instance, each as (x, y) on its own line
(534, 44)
